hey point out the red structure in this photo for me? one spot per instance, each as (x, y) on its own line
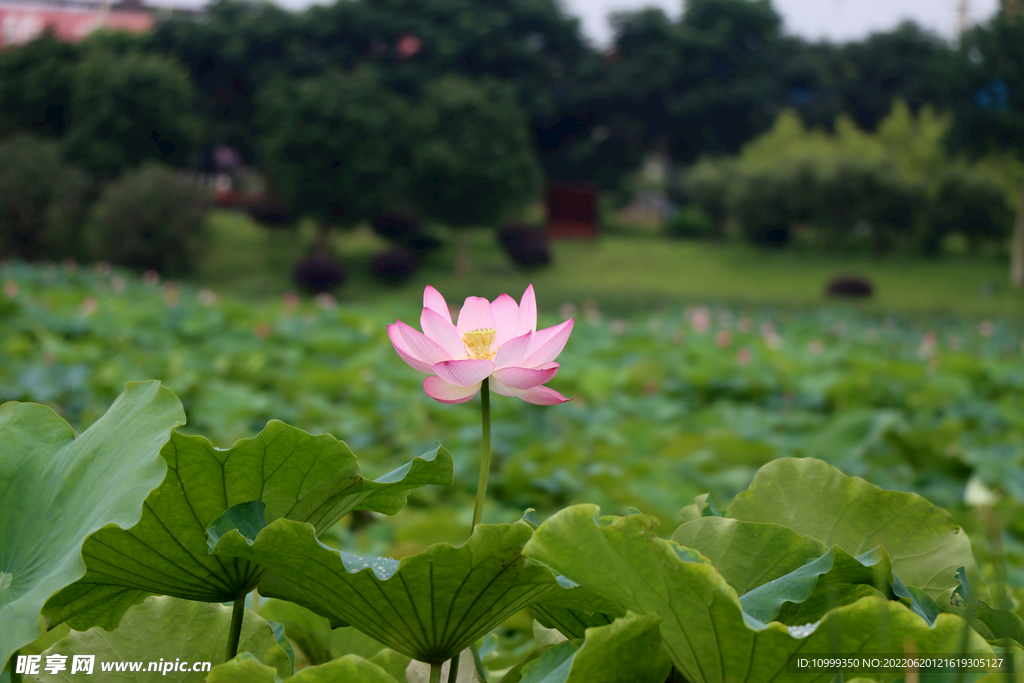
(20, 22)
(572, 211)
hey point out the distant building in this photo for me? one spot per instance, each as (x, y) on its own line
(23, 20)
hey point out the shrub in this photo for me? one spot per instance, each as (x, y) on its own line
(394, 266)
(525, 246)
(690, 222)
(404, 230)
(152, 218)
(707, 186)
(850, 286)
(767, 202)
(971, 202)
(472, 157)
(317, 273)
(855, 192)
(328, 143)
(43, 200)
(129, 109)
(272, 214)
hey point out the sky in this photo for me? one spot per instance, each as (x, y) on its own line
(837, 20)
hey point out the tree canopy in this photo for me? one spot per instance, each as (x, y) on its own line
(328, 143)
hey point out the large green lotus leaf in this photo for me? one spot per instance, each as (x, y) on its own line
(573, 609)
(748, 554)
(245, 668)
(314, 635)
(815, 499)
(348, 669)
(628, 650)
(168, 629)
(807, 593)
(995, 625)
(295, 475)
(704, 629)
(702, 506)
(429, 606)
(395, 663)
(56, 489)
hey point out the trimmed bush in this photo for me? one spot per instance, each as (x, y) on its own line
(128, 109)
(394, 266)
(855, 192)
(405, 231)
(318, 273)
(152, 218)
(525, 246)
(43, 200)
(272, 214)
(850, 287)
(972, 203)
(690, 222)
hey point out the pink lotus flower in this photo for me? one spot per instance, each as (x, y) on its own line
(497, 340)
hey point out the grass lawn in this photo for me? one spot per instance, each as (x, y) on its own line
(620, 273)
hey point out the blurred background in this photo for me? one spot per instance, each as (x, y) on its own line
(725, 150)
(789, 228)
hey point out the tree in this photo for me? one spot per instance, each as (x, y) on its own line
(705, 84)
(329, 144)
(43, 200)
(127, 109)
(151, 217)
(907, 64)
(990, 110)
(35, 86)
(472, 158)
(731, 52)
(234, 50)
(530, 45)
(239, 46)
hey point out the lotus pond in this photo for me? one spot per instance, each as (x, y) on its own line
(728, 488)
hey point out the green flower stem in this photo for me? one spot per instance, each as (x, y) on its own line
(237, 612)
(453, 669)
(485, 451)
(435, 673)
(478, 662)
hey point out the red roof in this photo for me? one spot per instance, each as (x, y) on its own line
(20, 23)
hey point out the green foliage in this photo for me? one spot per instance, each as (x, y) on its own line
(574, 610)
(868, 401)
(704, 627)
(806, 558)
(312, 479)
(690, 222)
(748, 554)
(858, 516)
(168, 629)
(152, 217)
(35, 86)
(471, 159)
(127, 109)
(971, 200)
(836, 184)
(43, 200)
(467, 590)
(329, 143)
(989, 103)
(628, 649)
(700, 84)
(57, 490)
(313, 634)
